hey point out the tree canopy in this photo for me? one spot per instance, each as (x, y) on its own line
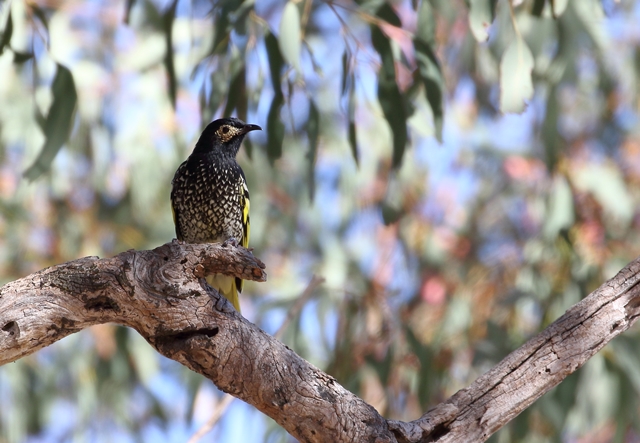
(436, 182)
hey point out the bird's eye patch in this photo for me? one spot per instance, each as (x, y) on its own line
(225, 129)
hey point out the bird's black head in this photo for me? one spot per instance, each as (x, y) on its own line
(224, 136)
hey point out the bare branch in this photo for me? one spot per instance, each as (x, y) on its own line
(161, 294)
(494, 399)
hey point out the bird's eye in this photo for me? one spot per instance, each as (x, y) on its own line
(225, 129)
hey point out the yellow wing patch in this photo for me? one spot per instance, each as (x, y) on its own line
(246, 222)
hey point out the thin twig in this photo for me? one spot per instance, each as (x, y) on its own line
(215, 417)
(306, 12)
(371, 19)
(299, 304)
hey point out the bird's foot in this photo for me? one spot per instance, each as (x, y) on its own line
(230, 242)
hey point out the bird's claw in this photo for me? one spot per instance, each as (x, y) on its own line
(230, 242)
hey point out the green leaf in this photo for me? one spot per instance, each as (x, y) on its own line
(289, 38)
(351, 110)
(386, 12)
(127, 13)
(313, 132)
(560, 214)
(345, 72)
(241, 17)
(426, 29)
(553, 142)
(167, 24)
(58, 124)
(427, 366)
(433, 81)
(275, 129)
(237, 95)
(6, 33)
(592, 19)
(393, 108)
(516, 85)
(222, 24)
(538, 7)
(608, 186)
(275, 62)
(222, 32)
(390, 213)
(21, 57)
(383, 366)
(389, 96)
(353, 142)
(40, 14)
(481, 15)
(391, 102)
(40, 118)
(151, 16)
(218, 80)
(558, 7)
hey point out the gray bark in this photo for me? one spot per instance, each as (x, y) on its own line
(161, 294)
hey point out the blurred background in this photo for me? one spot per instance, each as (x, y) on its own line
(414, 234)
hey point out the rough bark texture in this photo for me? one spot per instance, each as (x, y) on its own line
(160, 293)
(494, 399)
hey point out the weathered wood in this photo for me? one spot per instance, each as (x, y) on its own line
(161, 294)
(527, 373)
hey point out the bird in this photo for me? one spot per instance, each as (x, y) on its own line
(210, 198)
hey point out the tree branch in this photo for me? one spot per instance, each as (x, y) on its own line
(161, 294)
(494, 399)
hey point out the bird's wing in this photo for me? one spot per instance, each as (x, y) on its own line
(246, 221)
(174, 210)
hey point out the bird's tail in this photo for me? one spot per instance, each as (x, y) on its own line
(226, 286)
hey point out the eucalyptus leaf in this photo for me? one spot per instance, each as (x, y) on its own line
(237, 95)
(389, 96)
(516, 85)
(433, 81)
(58, 123)
(429, 71)
(40, 14)
(538, 7)
(391, 212)
(607, 185)
(21, 57)
(275, 62)
(313, 132)
(128, 7)
(351, 111)
(558, 7)
(289, 38)
(553, 142)
(275, 129)
(345, 73)
(481, 15)
(560, 213)
(167, 24)
(7, 32)
(426, 29)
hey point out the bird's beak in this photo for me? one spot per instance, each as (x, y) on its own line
(249, 128)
